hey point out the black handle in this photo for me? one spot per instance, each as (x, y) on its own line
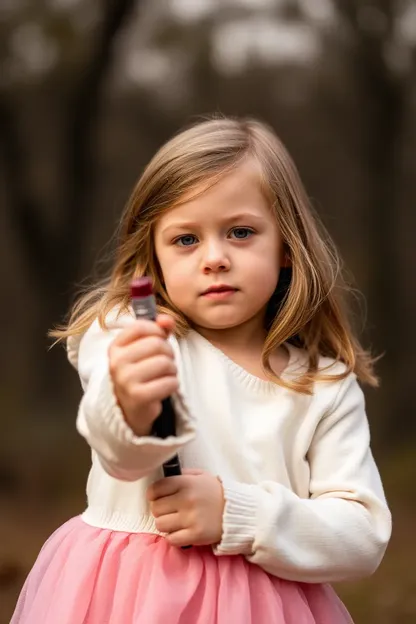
(163, 427)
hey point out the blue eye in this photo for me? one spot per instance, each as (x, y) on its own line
(241, 233)
(185, 241)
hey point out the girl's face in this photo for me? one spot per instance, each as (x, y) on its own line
(226, 239)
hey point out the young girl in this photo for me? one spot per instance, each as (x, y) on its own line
(279, 494)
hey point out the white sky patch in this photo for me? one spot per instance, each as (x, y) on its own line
(237, 43)
(148, 67)
(256, 4)
(32, 50)
(406, 24)
(193, 10)
(322, 12)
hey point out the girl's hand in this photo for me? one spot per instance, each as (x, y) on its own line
(188, 508)
(143, 371)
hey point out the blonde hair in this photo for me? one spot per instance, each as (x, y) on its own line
(312, 313)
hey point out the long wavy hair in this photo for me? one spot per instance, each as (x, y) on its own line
(309, 308)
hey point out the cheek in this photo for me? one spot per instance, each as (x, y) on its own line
(263, 285)
(262, 271)
(166, 262)
(264, 261)
(177, 276)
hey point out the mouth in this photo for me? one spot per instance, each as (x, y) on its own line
(219, 291)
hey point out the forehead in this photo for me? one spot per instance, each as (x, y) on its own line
(239, 191)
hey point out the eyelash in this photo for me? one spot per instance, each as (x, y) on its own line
(247, 229)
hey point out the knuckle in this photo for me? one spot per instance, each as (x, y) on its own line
(122, 379)
(161, 365)
(175, 540)
(151, 342)
(112, 357)
(165, 348)
(138, 393)
(168, 364)
(150, 328)
(144, 325)
(153, 345)
(192, 499)
(154, 510)
(190, 496)
(116, 374)
(160, 345)
(155, 410)
(173, 384)
(168, 349)
(112, 368)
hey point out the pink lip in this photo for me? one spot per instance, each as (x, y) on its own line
(219, 292)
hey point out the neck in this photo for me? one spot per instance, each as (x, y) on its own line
(249, 336)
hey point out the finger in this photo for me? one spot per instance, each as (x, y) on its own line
(170, 523)
(141, 349)
(164, 487)
(156, 390)
(138, 329)
(152, 368)
(165, 505)
(182, 537)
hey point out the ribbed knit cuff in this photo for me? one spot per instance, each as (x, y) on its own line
(101, 421)
(112, 414)
(239, 519)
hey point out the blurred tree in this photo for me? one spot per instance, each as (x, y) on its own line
(382, 59)
(53, 253)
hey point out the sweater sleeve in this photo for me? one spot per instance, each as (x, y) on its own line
(100, 420)
(341, 531)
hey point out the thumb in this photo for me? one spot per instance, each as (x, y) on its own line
(196, 472)
(166, 322)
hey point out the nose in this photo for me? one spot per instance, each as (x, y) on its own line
(215, 258)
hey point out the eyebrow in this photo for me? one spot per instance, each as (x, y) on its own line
(191, 225)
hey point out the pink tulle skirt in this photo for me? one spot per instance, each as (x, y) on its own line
(86, 575)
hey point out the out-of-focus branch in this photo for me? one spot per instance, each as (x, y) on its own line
(25, 214)
(82, 123)
(40, 244)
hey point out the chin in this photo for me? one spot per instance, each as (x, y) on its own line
(220, 324)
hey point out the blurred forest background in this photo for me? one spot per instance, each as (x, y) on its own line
(88, 92)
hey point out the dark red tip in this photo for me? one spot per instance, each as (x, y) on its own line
(141, 287)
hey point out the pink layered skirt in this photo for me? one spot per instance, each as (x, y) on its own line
(86, 575)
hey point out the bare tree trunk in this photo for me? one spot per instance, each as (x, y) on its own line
(382, 95)
(385, 102)
(53, 257)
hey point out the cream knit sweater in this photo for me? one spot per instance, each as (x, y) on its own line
(304, 499)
